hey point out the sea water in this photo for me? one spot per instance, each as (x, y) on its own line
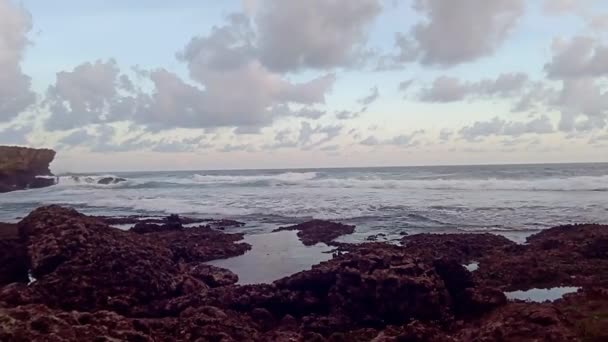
(513, 200)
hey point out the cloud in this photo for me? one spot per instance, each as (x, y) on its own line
(501, 127)
(308, 136)
(456, 32)
(403, 140)
(578, 57)
(450, 89)
(15, 92)
(348, 114)
(560, 6)
(583, 105)
(230, 88)
(91, 93)
(236, 148)
(445, 135)
(313, 34)
(371, 98)
(580, 64)
(15, 135)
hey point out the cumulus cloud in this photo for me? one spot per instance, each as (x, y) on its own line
(580, 64)
(308, 136)
(501, 127)
(450, 89)
(15, 92)
(578, 57)
(230, 88)
(317, 34)
(403, 140)
(91, 93)
(583, 105)
(445, 135)
(371, 97)
(456, 32)
(15, 135)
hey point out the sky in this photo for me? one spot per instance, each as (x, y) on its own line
(239, 84)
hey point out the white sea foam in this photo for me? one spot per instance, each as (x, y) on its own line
(313, 180)
(582, 183)
(88, 180)
(288, 177)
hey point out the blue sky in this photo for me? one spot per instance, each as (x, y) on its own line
(133, 85)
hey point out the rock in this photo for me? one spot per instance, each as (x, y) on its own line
(561, 256)
(520, 322)
(110, 180)
(21, 166)
(39, 323)
(225, 223)
(315, 231)
(214, 276)
(199, 244)
(13, 256)
(461, 247)
(112, 220)
(374, 286)
(83, 264)
(146, 228)
(95, 282)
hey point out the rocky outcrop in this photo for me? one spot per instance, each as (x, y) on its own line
(572, 255)
(315, 231)
(95, 282)
(80, 263)
(25, 168)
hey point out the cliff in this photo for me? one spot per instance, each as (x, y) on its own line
(20, 166)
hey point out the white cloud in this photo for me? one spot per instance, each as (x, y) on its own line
(15, 92)
(456, 32)
(501, 127)
(450, 89)
(317, 34)
(578, 57)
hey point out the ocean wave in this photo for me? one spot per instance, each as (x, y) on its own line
(282, 178)
(93, 180)
(581, 183)
(320, 180)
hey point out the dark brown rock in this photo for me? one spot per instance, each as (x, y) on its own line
(20, 167)
(13, 256)
(110, 180)
(461, 247)
(39, 323)
(214, 276)
(520, 322)
(82, 264)
(315, 231)
(561, 256)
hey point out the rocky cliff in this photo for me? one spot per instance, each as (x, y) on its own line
(20, 168)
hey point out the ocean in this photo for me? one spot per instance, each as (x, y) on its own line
(512, 200)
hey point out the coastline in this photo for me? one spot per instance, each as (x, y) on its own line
(161, 281)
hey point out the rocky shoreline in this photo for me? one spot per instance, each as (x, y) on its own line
(24, 168)
(65, 276)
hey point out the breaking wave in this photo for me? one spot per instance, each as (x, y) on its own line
(320, 180)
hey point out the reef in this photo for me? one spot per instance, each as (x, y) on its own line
(71, 277)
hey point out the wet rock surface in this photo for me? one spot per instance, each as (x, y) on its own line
(94, 282)
(315, 231)
(110, 180)
(20, 168)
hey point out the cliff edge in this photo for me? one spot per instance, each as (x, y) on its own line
(21, 168)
